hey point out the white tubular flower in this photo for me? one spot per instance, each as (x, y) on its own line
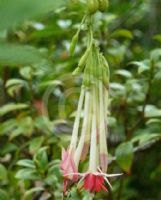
(90, 133)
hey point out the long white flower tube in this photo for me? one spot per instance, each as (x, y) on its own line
(84, 130)
(93, 143)
(74, 138)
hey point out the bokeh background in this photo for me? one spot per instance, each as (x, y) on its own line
(39, 95)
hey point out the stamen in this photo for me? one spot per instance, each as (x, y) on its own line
(108, 175)
(108, 182)
(112, 175)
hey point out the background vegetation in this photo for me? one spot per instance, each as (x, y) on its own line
(38, 96)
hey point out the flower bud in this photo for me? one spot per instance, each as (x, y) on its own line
(92, 6)
(83, 59)
(73, 43)
(103, 5)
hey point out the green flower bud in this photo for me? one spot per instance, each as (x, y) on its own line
(92, 6)
(105, 71)
(73, 43)
(103, 5)
(83, 59)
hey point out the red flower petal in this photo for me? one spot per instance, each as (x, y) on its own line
(89, 182)
(98, 184)
(94, 183)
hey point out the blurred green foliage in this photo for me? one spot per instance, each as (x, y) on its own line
(38, 95)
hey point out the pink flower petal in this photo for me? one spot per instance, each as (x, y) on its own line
(68, 166)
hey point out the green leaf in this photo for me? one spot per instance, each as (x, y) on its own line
(155, 54)
(35, 144)
(117, 86)
(15, 81)
(41, 159)
(54, 169)
(31, 191)
(7, 126)
(144, 138)
(4, 195)
(117, 90)
(74, 194)
(122, 33)
(26, 163)
(12, 54)
(112, 122)
(24, 126)
(12, 107)
(10, 147)
(87, 196)
(124, 156)
(51, 180)
(124, 73)
(153, 120)
(50, 83)
(26, 72)
(152, 111)
(3, 172)
(157, 37)
(14, 86)
(142, 65)
(13, 13)
(27, 174)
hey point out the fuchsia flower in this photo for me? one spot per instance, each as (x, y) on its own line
(95, 182)
(90, 133)
(68, 164)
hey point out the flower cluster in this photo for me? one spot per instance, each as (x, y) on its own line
(90, 133)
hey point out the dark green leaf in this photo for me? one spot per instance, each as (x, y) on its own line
(124, 156)
(13, 13)
(11, 54)
(35, 144)
(3, 172)
(41, 159)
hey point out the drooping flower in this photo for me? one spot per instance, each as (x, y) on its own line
(96, 181)
(89, 134)
(68, 164)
